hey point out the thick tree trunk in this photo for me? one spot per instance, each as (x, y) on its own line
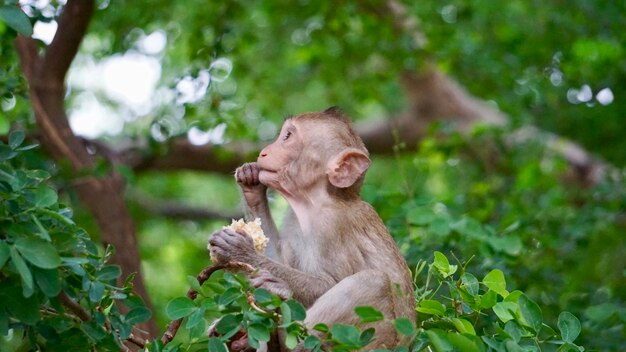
(103, 196)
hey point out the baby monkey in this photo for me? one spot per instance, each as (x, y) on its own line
(334, 252)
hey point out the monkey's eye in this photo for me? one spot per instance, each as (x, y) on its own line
(287, 135)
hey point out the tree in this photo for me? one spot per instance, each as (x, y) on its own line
(404, 76)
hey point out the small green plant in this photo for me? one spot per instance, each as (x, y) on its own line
(56, 290)
(456, 311)
(471, 315)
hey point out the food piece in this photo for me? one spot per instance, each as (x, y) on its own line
(252, 229)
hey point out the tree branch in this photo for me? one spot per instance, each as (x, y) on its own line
(181, 211)
(74, 307)
(103, 196)
(73, 24)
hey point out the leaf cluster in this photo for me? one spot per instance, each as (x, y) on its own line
(56, 289)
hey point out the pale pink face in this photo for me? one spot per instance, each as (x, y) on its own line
(276, 157)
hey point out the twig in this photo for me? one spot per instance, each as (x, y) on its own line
(137, 341)
(74, 307)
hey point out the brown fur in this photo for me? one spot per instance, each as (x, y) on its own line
(334, 253)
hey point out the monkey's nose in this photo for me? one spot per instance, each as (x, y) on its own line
(263, 154)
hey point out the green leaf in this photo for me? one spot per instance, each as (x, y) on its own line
(27, 147)
(291, 341)
(368, 314)
(512, 346)
(531, 313)
(505, 310)
(193, 283)
(463, 326)
(470, 282)
(227, 324)
(43, 233)
(195, 318)
(38, 252)
(442, 265)
(229, 296)
(4, 322)
(216, 345)
(463, 343)
(259, 332)
(286, 313)
(439, 340)
(93, 330)
(263, 296)
(311, 342)
(404, 326)
(489, 299)
(109, 272)
(266, 299)
(16, 19)
(45, 196)
(439, 227)
(513, 296)
(24, 309)
(96, 291)
(441, 262)
(16, 137)
(514, 330)
(321, 327)
(6, 153)
(601, 312)
(569, 326)
(346, 334)
(510, 244)
(429, 306)
(179, 307)
(495, 282)
(28, 286)
(137, 315)
(4, 253)
(367, 336)
(48, 281)
(420, 216)
(297, 310)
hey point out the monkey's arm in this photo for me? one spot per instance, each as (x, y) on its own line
(262, 211)
(257, 206)
(306, 288)
(229, 246)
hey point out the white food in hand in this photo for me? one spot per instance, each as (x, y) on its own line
(252, 229)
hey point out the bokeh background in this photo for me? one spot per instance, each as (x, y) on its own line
(497, 128)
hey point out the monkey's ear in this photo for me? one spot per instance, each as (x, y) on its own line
(346, 168)
(334, 111)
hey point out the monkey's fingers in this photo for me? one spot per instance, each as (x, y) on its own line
(224, 239)
(241, 344)
(255, 173)
(239, 175)
(249, 172)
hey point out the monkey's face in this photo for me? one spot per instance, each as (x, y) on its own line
(275, 159)
(311, 154)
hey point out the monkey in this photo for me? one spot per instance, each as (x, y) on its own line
(334, 253)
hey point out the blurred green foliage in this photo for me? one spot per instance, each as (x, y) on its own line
(46, 260)
(535, 60)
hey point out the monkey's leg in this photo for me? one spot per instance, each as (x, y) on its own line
(365, 288)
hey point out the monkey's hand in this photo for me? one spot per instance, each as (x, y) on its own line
(264, 279)
(247, 176)
(230, 246)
